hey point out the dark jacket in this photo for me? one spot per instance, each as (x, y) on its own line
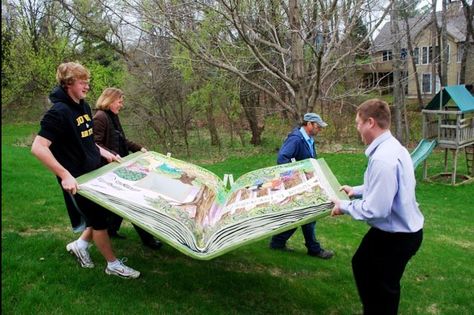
(69, 127)
(295, 146)
(108, 133)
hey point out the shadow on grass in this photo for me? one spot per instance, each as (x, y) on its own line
(40, 275)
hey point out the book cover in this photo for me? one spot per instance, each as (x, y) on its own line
(191, 209)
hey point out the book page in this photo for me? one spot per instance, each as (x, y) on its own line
(183, 191)
(189, 208)
(278, 185)
(274, 189)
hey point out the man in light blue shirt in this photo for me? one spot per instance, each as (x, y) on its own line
(388, 204)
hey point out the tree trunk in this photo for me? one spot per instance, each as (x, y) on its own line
(297, 59)
(211, 124)
(444, 47)
(250, 101)
(154, 123)
(413, 63)
(468, 13)
(241, 131)
(397, 69)
(434, 36)
(185, 129)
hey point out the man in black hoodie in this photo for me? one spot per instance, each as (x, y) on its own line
(65, 144)
(299, 145)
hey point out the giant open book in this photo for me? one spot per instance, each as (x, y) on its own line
(191, 209)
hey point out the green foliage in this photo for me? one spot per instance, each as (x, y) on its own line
(37, 41)
(103, 77)
(219, 90)
(181, 60)
(210, 86)
(28, 72)
(32, 51)
(200, 97)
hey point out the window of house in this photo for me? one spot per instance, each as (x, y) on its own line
(403, 54)
(424, 55)
(449, 52)
(387, 55)
(460, 52)
(426, 83)
(416, 55)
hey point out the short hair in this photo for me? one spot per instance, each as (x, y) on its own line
(68, 72)
(378, 110)
(304, 123)
(108, 96)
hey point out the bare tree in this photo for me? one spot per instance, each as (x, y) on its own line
(156, 92)
(443, 46)
(411, 52)
(398, 95)
(467, 47)
(297, 45)
(435, 35)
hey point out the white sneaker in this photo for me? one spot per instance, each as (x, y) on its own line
(82, 255)
(122, 271)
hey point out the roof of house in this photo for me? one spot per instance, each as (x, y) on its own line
(460, 95)
(455, 27)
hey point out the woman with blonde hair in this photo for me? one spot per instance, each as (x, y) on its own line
(109, 134)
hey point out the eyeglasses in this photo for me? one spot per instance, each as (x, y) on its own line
(84, 82)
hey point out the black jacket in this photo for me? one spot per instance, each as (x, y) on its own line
(69, 127)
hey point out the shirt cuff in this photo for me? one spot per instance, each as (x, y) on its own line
(358, 190)
(344, 206)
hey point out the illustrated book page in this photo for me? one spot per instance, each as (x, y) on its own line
(190, 208)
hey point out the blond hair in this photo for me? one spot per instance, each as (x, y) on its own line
(108, 96)
(378, 110)
(68, 72)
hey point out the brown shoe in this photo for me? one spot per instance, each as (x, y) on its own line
(323, 254)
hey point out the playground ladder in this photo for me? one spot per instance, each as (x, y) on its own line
(470, 158)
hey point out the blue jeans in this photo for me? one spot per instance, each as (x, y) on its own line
(309, 232)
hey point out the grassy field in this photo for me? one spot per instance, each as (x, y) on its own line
(40, 277)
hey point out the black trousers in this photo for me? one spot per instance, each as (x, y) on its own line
(114, 221)
(81, 209)
(378, 266)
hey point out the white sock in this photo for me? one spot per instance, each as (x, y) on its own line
(114, 263)
(82, 244)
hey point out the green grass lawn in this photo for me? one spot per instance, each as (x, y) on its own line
(40, 277)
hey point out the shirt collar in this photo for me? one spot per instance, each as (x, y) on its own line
(305, 135)
(371, 148)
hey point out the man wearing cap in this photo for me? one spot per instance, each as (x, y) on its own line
(299, 145)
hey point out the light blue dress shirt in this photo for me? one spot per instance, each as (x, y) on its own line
(309, 140)
(388, 193)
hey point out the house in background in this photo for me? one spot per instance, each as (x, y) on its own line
(378, 73)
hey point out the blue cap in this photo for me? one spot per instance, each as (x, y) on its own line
(312, 117)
